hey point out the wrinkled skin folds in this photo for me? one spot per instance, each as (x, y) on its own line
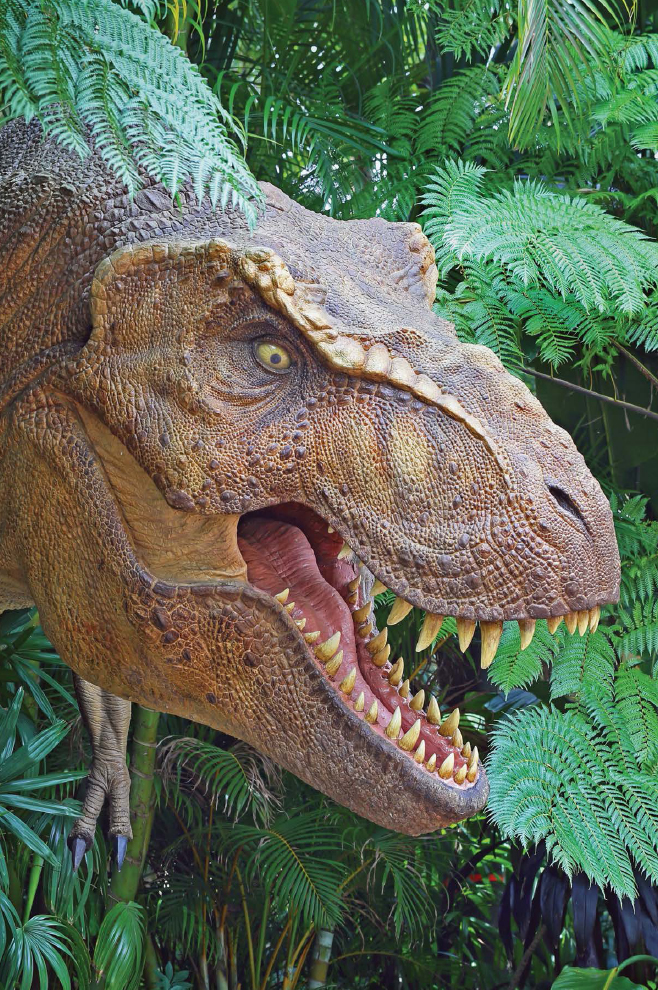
(213, 442)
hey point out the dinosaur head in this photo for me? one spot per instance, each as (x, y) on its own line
(285, 422)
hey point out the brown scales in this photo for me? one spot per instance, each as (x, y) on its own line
(177, 392)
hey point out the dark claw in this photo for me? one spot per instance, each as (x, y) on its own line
(78, 848)
(120, 847)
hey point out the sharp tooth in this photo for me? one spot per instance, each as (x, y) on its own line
(450, 724)
(472, 766)
(345, 551)
(448, 765)
(333, 666)
(433, 711)
(490, 638)
(594, 618)
(378, 642)
(419, 755)
(466, 751)
(327, 649)
(330, 529)
(583, 622)
(371, 714)
(289, 607)
(282, 597)
(474, 758)
(403, 690)
(300, 623)
(460, 775)
(398, 612)
(465, 630)
(571, 621)
(418, 701)
(360, 702)
(429, 632)
(353, 585)
(312, 637)
(361, 614)
(431, 763)
(348, 682)
(381, 658)
(410, 738)
(364, 631)
(394, 725)
(553, 623)
(456, 739)
(397, 672)
(378, 587)
(527, 630)
(353, 598)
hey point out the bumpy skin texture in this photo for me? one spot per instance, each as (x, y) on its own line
(137, 429)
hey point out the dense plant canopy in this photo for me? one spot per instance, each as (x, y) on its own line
(524, 138)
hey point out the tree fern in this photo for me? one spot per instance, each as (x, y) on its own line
(581, 662)
(556, 776)
(636, 694)
(90, 68)
(516, 668)
(540, 238)
(449, 115)
(470, 27)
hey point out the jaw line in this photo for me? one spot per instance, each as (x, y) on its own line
(140, 502)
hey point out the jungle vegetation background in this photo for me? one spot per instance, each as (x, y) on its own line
(523, 135)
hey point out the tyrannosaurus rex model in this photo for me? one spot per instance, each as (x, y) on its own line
(216, 446)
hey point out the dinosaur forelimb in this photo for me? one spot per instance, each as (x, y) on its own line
(107, 719)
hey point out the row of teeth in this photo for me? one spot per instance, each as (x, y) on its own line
(490, 632)
(329, 654)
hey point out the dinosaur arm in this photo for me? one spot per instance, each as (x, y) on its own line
(107, 719)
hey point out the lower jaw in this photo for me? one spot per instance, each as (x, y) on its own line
(355, 658)
(352, 655)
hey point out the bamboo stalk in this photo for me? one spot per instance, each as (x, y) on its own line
(320, 957)
(124, 885)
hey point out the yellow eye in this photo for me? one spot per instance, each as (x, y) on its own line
(272, 357)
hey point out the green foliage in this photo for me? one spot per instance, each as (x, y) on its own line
(88, 67)
(530, 256)
(297, 859)
(40, 945)
(19, 780)
(584, 779)
(119, 947)
(597, 979)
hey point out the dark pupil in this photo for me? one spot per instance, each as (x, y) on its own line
(275, 358)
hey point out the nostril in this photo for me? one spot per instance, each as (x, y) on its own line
(567, 504)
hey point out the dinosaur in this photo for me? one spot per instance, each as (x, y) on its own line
(218, 445)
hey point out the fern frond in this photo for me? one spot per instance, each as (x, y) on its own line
(539, 238)
(470, 27)
(516, 668)
(582, 662)
(636, 695)
(555, 776)
(89, 66)
(448, 117)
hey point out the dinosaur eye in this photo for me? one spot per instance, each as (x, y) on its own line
(272, 356)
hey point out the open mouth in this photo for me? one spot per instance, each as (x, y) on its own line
(294, 556)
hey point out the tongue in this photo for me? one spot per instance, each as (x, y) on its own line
(279, 556)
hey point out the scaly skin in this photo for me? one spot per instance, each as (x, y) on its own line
(143, 417)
